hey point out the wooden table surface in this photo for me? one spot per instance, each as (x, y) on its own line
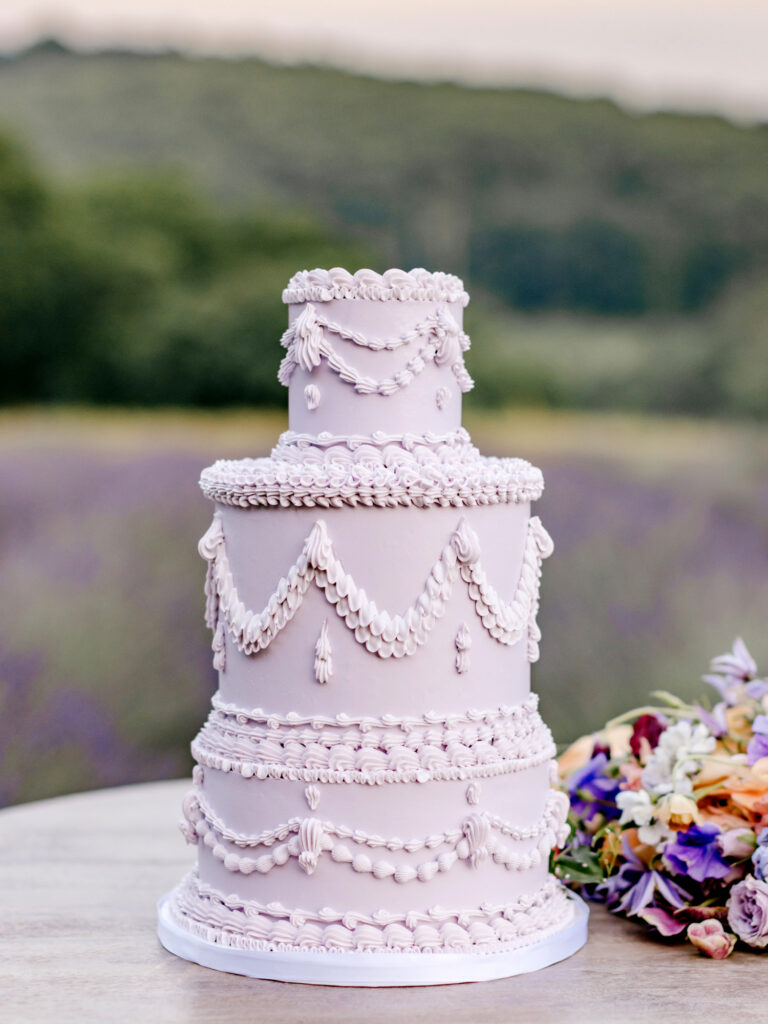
(79, 879)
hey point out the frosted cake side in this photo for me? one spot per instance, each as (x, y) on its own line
(373, 783)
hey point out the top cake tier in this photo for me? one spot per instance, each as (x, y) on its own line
(369, 353)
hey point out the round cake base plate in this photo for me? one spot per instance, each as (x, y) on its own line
(371, 969)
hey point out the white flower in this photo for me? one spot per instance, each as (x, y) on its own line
(676, 758)
(656, 834)
(637, 809)
(635, 806)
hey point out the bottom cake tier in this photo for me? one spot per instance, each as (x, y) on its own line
(439, 946)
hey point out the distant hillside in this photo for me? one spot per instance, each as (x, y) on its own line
(544, 201)
(152, 207)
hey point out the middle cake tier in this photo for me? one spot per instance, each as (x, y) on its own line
(360, 611)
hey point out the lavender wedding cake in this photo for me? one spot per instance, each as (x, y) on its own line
(372, 802)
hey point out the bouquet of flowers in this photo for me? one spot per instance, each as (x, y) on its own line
(669, 812)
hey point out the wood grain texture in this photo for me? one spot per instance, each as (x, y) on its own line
(79, 879)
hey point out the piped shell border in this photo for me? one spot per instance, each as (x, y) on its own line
(417, 285)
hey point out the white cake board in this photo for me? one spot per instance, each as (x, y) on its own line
(371, 969)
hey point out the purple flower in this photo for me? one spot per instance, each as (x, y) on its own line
(715, 720)
(635, 887)
(760, 857)
(592, 791)
(579, 837)
(735, 675)
(748, 911)
(666, 924)
(737, 666)
(758, 745)
(695, 852)
(760, 863)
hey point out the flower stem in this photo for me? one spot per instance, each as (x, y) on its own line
(682, 711)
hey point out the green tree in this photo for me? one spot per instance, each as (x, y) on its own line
(137, 289)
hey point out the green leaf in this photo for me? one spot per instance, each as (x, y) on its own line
(580, 865)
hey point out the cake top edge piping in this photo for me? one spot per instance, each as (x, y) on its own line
(417, 285)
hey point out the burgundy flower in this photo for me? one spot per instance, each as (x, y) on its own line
(647, 727)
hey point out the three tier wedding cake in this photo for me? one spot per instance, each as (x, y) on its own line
(372, 801)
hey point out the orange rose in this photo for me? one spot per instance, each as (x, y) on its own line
(579, 752)
(576, 756)
(751, 792)
(718, 767)
(724, 816)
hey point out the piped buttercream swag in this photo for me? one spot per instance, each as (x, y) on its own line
(479, 837)
(379, 631)
(443, 343)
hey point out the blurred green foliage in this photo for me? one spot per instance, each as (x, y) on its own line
(615, 260)
(136, 290)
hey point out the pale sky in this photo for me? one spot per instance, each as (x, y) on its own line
(689, 54)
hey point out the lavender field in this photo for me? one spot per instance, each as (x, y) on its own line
(660, 527)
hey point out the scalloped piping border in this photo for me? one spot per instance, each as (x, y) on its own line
(380, 632)
(370, 777)
(271, 483)
(379, 439)
(417, 285)
(247, 924)
(379, 469)
(406, 723)
(351, 749)
(330, 735)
